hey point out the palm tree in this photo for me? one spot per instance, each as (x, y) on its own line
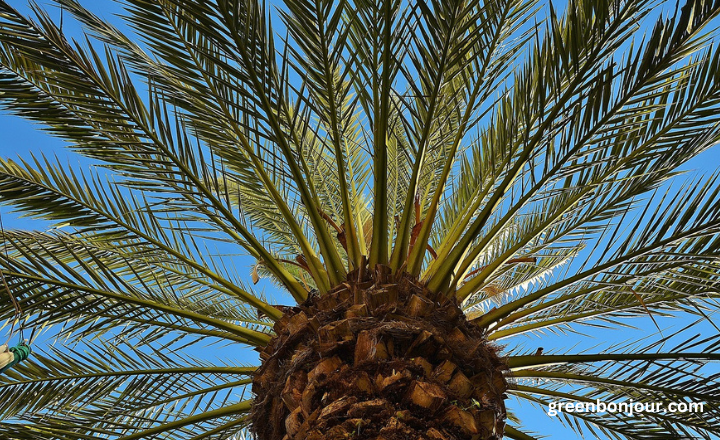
(426, 180)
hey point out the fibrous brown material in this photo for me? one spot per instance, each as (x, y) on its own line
(378, 358)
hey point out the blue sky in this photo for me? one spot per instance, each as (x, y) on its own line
(21, 138)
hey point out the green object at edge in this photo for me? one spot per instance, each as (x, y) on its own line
(21, 352)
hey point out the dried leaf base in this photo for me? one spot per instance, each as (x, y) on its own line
(379, 359)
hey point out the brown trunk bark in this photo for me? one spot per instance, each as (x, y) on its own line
(379, 359)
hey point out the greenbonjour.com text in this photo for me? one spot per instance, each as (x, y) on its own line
(628, 407)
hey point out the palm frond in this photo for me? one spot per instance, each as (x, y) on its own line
(634, 373)
(657, 238)
(63, 277)
(57, 194)
(125, 391)
(141, 140)
(527, 103)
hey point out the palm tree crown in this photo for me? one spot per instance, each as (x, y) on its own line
(501, 155)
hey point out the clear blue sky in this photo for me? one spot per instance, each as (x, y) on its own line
(20, 138)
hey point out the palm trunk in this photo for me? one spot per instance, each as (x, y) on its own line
(379, 357)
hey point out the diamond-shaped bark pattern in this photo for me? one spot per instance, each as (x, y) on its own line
(379, 358)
